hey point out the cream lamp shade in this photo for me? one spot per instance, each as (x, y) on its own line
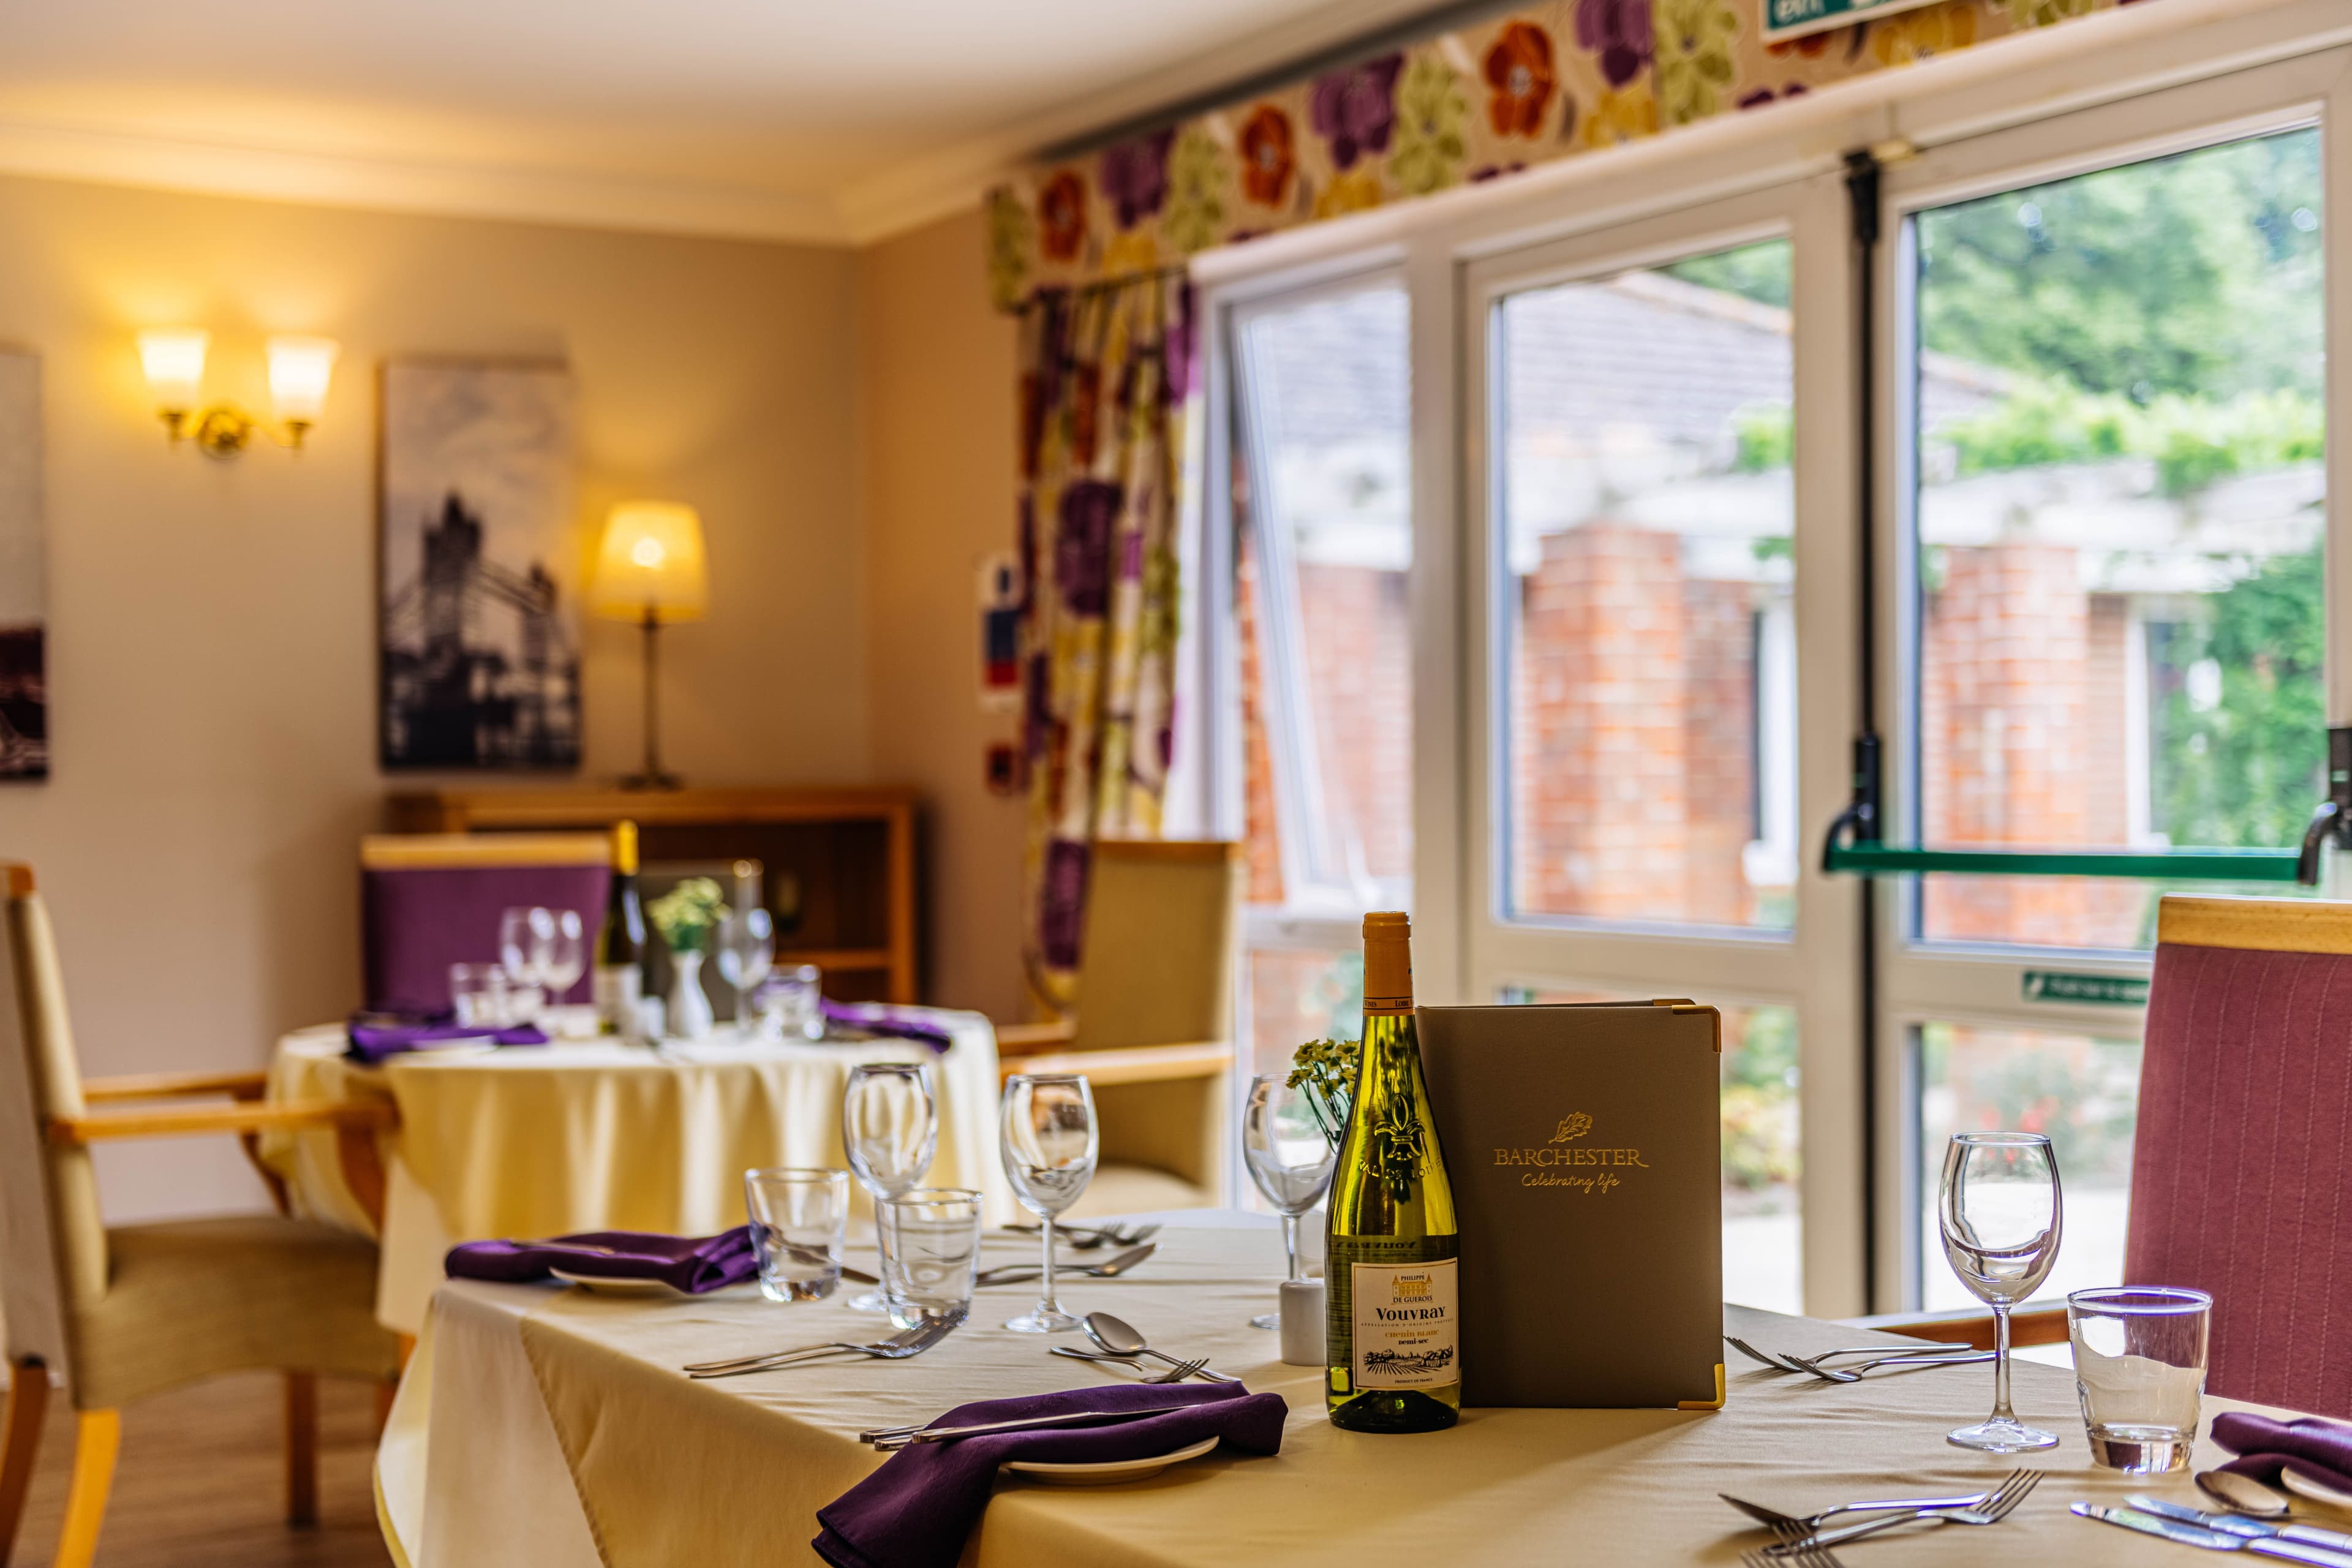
(173, 359)
(300, 369)
(650, 565)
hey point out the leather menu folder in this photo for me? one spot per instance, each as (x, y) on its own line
(1583, 1143)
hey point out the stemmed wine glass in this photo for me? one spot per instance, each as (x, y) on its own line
(1048, 1143)
(525, 937)
(747, 948)
(2001, 1213)
(1288, 1158)
(563, 956)
(890, 1129)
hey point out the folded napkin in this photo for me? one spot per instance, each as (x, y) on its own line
(915, 1510)
(687, 1263)
(875, 1020)
(2314, 1449)
(372, 1041)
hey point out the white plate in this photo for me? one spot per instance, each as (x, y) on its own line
(2304, 1487)
(605, 1287)
(1111, 1471)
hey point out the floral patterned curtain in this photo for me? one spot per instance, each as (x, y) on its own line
(1103, 375)
(1551, 80)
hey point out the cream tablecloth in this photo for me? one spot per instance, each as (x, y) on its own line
(620, 1459)
(595, 1134)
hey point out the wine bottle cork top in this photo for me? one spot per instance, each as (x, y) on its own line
(1388, 961)
(624, 847)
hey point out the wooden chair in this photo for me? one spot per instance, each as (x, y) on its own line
(432, 900)
(1153, 1031)
(2241, 1162)
(118, 1314)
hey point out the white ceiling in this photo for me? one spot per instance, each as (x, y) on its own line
(834, 121)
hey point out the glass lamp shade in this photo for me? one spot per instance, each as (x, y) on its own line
(651, 563)
(300, 369)
(173, 359)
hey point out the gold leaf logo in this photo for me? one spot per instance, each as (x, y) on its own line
(1572, 1126)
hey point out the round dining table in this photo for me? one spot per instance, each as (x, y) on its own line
(576, 1135)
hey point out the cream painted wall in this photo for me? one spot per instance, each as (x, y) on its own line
(937, 424)
(213, 626)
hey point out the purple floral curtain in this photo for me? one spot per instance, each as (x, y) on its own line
(1104, 376)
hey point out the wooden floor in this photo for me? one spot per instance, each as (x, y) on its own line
(201, 1482)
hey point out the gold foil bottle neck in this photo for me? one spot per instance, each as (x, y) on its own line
(1388, 961)
(625, 848)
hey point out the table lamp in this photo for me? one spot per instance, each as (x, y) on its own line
(650, 569)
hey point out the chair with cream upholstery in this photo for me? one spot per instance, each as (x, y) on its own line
(1153, 1031)
(119, 1315)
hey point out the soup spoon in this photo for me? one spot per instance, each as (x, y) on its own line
(1119, 1338)
(2241, 1494)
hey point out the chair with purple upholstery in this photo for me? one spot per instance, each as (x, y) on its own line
(429, 901)
(2242, 1169)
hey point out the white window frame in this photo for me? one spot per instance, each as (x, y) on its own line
(2017, 88)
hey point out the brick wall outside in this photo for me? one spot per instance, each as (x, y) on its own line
(1360, 675)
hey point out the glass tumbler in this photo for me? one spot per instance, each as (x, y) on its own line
(478, 994)
(799, 1221)
(2139, 1366)
(930, 1253)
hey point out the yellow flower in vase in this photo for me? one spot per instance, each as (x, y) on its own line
(1695, 61)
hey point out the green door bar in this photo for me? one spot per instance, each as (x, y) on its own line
(1869, 859)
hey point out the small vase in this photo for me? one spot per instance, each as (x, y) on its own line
(689, 1009)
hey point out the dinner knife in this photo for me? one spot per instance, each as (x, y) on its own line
(2214, 1540)
(1066, 1418)
(2238, 1524)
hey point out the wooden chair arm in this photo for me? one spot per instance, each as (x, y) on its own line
(251, 1085)
(1131, 1064)
(1028, 1039)
(2033, 1326)
(251, 1116)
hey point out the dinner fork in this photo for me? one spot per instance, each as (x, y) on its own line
(1999, 1506)
(1085, 1239)
(908, 1342)
(1790, 1362)
(1109, 1268)
(1805, 1524)
(1810, 1557)
(1852, 1374)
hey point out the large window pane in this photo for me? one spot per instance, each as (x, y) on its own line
(1644, 522)
(1763, 1253)
(1327, 546)
(2120, 624)
(2080, 1091)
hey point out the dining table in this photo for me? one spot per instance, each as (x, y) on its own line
(554, 1427)
(598, 1134)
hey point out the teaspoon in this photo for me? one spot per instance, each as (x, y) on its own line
(2241, 1494)
(1119, 1338)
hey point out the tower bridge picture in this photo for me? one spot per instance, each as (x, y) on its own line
(478, 666)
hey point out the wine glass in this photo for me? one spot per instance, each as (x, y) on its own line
(565, 955)
(1048, 1143)
(1288, 1158)
(747, 947)
(2001, 1213)
(525, 936)
(891, 1129)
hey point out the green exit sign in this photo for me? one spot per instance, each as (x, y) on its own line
(1785, 20)
(2113, 989)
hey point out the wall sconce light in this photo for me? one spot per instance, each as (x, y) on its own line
(299, 370)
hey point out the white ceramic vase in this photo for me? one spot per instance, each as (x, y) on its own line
(689, 1010)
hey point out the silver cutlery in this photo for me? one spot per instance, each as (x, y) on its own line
(1999, 1506)
(2243, 1494)
(907, 1342)
(2214, 1540)
(1121, 1339)
(1109, 1268)
(903, 1437)
(2233, 1524)
(1852, 1374)
(1809, 1557)
(1805, 1524)
(1083, 1239)
(1789, 1362)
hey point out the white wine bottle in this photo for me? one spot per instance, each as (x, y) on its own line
(1389, 1271)
(620, 941)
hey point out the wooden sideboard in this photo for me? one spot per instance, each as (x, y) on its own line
(849, 851)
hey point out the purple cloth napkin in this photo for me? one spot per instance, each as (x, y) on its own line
(688, 1263)
(2314, 1449)
(373, 1042)
(875, 1020)
(915, 1510)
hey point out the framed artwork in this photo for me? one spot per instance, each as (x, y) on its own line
(24, 673)
(478, 623)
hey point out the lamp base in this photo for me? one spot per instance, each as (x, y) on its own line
(653, 781)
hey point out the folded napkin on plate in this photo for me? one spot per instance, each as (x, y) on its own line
(690, 1263)
(372, 1041)
(2314, 1449)
(915, 1510)
(875, 1020)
